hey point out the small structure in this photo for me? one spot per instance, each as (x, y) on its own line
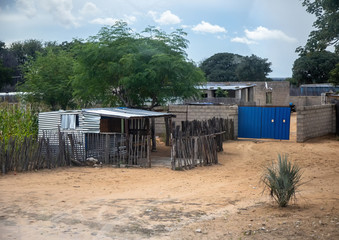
(237, 93)
(111, 135)
(317, 89)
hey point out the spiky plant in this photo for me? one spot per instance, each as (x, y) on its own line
(282, 180)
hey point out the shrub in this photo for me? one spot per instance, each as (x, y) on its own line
(17, 121)
(282, 180)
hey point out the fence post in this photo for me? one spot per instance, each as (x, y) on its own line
(107, 147)
(148, 151)
(195, 156)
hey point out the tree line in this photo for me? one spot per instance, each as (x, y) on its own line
(115, 67)
(118, 67)
(121, 67)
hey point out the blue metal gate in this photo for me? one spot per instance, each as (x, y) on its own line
(264, 122)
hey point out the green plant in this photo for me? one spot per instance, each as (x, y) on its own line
(221, 93)
(282, 180)
(17, 121)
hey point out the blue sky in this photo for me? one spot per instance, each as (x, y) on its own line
(270, 29)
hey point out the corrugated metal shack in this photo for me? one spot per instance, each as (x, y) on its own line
(111, 135)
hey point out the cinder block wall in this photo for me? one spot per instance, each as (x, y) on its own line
(199, 112)
(315, 121)
(280, 92)
(300, 101)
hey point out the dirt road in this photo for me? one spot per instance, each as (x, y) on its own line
(224, 201)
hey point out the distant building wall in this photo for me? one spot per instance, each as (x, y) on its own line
(280, 93)
(199, 112)
(301, 101)
(315, 121)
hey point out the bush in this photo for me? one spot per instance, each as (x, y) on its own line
(282, 180)
(17, 121)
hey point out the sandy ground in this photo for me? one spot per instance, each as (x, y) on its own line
(223, 201)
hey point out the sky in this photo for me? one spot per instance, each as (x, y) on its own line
(270, 29)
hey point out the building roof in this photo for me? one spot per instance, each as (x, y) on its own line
(126, 113)
(224, 86)
(318, 85)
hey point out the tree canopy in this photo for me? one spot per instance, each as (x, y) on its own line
(48, 79)
(326, 25)
(229, 67)
(314, 67)
(253, 68)
(119, 66)
(334, 75)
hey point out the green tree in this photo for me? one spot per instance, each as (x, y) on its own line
(5, 75)
(221, 67)
(253, 68)
(5, 71)
(221, 93)
(119, 66)
(229, 67)
(314, 67)
(24, 50)
(47, 79)
(334, 75)
(326, 25)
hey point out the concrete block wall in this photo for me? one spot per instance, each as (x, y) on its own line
(280, 92)
(301, 101)
(198, 112)
(315, 121)
(204, 112)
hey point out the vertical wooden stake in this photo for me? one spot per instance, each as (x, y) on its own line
(107, 147)
(148, 151)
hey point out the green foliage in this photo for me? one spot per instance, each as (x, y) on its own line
(221, 93)
(282, 180)
(17, 121)
(229, 67)
(253, 68)
(326, 26)
(24, 50)
(314, 67)
(47, 79)
(121, 67)
(334, 75)
(221, 67)
(5, 75)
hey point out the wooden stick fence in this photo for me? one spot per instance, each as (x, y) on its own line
(56, 149)
(197, 142)
(32, 154)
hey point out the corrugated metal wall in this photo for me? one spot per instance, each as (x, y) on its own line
(49, 121)
(90, 122)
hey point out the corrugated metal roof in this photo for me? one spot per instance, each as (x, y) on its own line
(224, 86)
(318, 85)
(125, 113)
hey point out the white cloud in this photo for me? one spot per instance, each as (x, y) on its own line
(112, 21)
(166, 18)
(129, 19)
(27, 7)
(61, 10)
(89, 9)
(185, 26)
(104, 21)
(205, 27)
(242, 40)
(262, 33)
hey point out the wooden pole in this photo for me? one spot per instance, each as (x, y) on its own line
(107, 148)
(154, 142)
